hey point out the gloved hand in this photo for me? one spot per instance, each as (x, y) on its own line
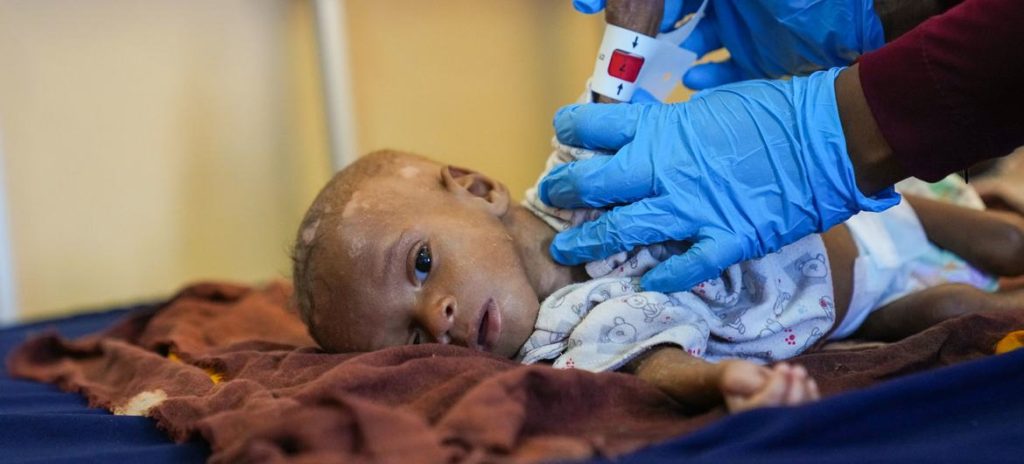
(771, 38)
(740, 171)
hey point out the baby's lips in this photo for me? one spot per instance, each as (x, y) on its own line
(488, 327)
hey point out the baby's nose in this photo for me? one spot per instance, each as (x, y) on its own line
(438, 317)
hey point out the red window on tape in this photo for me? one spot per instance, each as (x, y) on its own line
(625, 65)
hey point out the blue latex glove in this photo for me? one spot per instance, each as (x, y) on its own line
(740, 171)
(771, 38)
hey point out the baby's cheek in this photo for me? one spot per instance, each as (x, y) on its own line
(333, 335)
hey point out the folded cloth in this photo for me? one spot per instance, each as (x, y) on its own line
(1012, 341)
(280, 399)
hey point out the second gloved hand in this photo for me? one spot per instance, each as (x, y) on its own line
(739, 171)
(770, 38)
(775, 38)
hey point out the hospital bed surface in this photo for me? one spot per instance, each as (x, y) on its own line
(40, 423)
(971, 412)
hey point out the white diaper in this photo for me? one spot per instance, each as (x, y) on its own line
(896, 259)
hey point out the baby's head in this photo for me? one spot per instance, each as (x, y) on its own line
(398, 249)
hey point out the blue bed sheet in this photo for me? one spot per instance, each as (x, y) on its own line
(39, 423)
(972, 412)
(968, 413)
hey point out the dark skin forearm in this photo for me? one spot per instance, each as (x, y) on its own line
(874, 165)
(900, 16)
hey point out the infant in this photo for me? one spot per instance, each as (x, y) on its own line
(398, 249)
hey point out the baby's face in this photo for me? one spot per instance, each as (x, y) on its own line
(420, 255)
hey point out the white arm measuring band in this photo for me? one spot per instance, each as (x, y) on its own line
(619, 60)
(628, 60)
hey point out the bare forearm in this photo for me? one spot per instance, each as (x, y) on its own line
(873, 162)
(946, 94)
(900, 16)
(739, 385)
(688, 379)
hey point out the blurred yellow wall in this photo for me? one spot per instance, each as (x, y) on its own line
(152, 143)
(149, 144)
(470, 82)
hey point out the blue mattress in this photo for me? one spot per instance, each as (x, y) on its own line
(39, 423)
(972, 412)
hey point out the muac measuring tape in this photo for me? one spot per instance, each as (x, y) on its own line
(628, 60)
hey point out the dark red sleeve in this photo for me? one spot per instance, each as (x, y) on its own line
(950, 92)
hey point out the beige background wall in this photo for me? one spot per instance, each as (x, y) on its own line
(149, 144)
(471, 82)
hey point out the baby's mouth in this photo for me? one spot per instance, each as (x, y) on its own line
(489, 328)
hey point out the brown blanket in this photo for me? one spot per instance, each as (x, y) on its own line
(233, 365)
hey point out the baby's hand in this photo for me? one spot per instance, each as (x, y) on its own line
(746, 385)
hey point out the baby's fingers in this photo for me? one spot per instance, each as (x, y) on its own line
(812, 387)
(775, 389)
(796, 383)
(802, 388)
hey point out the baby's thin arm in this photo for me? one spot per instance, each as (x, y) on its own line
(686, 378)
(740, 385)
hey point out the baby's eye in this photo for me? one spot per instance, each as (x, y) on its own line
(416, 338)
(422, 265)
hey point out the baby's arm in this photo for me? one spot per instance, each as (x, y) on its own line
(741, 385)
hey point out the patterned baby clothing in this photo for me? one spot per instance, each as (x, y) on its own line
(761, 310)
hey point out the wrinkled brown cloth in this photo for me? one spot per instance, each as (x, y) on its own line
(282, 400)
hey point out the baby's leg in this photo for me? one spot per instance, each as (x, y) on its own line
(919, 311)
(992, 241)
(741, 385)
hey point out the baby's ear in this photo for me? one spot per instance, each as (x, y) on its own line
(471, 184)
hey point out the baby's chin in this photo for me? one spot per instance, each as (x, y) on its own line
(517, 332)
(510, 349)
